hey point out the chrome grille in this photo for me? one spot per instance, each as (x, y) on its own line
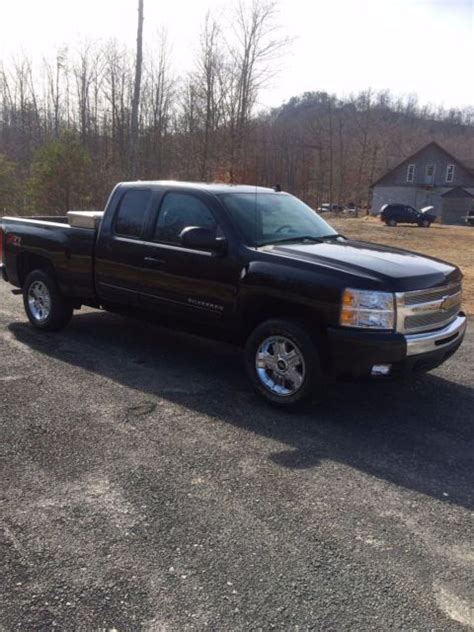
(424, 296)
(431, 319)
(423, 310)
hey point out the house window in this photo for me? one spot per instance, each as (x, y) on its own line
(449, 173)
(411, 173)
(430, 169)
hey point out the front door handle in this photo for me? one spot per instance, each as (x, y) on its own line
(154, 260)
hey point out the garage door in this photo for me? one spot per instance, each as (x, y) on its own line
(452, 216)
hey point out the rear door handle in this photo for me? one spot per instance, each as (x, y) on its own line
(154, 261)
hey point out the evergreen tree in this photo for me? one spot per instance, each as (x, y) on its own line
(60, 176)
(8, 186)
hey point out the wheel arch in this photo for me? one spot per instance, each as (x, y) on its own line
(27, 262)
(258, 310)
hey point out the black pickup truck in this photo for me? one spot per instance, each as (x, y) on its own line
(250, 264)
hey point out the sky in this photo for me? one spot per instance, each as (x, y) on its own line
(422, 47)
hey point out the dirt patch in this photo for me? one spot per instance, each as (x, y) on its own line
(451, 243)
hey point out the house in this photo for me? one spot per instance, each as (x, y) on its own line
(430, 177)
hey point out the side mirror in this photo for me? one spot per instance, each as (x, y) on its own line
(202, 239)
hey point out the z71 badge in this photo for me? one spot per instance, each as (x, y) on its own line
(14, 240)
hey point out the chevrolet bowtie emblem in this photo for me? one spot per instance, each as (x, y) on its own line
(447, 303)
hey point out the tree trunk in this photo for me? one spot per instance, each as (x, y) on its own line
(136, 95)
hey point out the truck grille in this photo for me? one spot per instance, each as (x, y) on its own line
(424, 296)
(423, 310)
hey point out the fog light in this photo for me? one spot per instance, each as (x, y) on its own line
(381, 369)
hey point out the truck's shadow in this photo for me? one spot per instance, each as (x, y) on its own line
(416, 435)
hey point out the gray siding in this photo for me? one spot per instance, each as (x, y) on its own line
(393, 187)
(454, 216)
(431, 155)
(455, 209)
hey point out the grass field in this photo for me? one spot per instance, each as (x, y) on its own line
(452, 243)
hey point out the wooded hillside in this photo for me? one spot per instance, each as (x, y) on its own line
(67, 131)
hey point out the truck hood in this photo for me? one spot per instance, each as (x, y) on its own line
(397, 270)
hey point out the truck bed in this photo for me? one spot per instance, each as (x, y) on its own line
(51, 239)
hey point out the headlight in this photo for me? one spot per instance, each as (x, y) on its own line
(367, 309)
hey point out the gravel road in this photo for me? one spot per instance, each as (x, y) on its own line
(145, 487)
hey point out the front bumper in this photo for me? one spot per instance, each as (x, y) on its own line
(353, 353)
(435, 340)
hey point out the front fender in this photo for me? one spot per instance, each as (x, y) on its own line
(275, 286)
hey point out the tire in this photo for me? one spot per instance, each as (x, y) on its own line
(425, 223)
(47, 309)
(289, 363)
(391, 222)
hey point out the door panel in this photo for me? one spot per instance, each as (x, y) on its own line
(189, 283)
(194, 284)
(119, 254)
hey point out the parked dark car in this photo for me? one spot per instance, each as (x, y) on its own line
(393, 214)
(247, 264)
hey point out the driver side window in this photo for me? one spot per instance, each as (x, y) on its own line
(178, 211)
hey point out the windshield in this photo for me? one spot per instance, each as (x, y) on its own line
(268, 218)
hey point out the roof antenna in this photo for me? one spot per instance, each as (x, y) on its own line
(277, 188)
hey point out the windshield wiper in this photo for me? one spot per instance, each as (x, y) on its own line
(332, 236)
(316, 240)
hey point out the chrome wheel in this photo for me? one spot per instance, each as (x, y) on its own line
(39, 301)
(280, 365)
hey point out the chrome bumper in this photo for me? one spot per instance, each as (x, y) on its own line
(437, 340)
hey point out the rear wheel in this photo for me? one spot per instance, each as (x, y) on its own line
(45, 306)
(391, 222)
(282, 362)
(425, 223)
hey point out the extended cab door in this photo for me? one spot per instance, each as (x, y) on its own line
(195, 284)
(119, 251)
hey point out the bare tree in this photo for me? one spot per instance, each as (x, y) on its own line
(54, 89)
(158, 95)
(209, 69)
(84, 71)
(256, 47)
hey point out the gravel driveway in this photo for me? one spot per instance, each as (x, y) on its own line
(145, 487)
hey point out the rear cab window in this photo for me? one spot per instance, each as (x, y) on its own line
(130, 217)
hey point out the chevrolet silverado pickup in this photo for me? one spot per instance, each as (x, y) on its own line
(252, 264)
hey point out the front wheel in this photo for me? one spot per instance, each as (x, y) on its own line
(391, 222)
(47, 309)
(282, 362)
(425, 223)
